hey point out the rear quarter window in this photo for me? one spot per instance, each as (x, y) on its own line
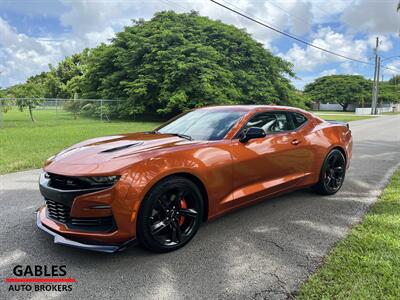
(298, 119)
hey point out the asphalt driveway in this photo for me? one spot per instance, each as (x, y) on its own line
(264, 251)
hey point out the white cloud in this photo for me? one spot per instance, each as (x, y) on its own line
(293, 16)
(325, 11)
(308, 58)
(393, 68)
(94, 38)
(95, 16)
(347, 67)
(16, 49)
(91, 22)
(23, 56)
(385, 44)
(328, 72)
(372, 16)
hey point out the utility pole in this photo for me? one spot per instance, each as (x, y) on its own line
(376, 80)
(377, 84)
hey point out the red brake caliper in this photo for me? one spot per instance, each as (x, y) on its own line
(183, 205)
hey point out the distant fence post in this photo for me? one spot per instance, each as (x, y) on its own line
(56, 109)
(101, 110)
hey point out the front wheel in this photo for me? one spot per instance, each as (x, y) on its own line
(332, 173)
(170, 215)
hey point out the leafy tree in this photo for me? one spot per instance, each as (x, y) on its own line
(63, 80)
(389, 92)
(395, 80)
(167, 65)
(341, 89)
(179, 61)
(5, 103)
(29, 94)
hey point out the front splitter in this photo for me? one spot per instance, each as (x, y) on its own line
(59, 239)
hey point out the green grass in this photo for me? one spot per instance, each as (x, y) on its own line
(316, 112)
(25, 145)
(344, 118)
(366, 264)
(391, 113)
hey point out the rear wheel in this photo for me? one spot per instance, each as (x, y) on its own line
(332, 173)
(170, 215)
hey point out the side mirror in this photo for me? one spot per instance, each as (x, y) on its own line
(252, 133)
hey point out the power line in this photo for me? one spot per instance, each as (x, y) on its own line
(287, 34)
(294, 37)
(255, 17)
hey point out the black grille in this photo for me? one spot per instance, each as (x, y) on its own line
(61, 213)
(92, 224)
(58, 211)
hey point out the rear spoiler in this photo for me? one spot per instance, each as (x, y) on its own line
(339, 122)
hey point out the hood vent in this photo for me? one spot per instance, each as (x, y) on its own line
(121, 147)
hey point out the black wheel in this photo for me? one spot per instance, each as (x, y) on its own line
(170, 215)
(332, 173)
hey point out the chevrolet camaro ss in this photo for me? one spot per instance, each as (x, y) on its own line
(157, 187)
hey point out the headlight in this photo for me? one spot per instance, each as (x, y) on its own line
(101, 180)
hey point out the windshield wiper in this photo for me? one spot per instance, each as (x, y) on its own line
(181, 135)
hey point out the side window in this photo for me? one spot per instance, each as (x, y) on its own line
(298, 119)
(270, 122)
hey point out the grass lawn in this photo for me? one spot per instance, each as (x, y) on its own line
(332, 112)
(25, 145)
(344, 117)
(391, 113)
(366, 264)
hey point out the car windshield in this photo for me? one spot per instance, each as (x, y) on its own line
(203, 124)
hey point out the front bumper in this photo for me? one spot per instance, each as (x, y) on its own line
(77, 217)
(59, 239)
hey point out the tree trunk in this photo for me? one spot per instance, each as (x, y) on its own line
(30, 113)
(344, 105)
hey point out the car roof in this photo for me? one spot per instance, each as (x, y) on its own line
(250, 108)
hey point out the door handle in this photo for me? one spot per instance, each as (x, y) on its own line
(295, 142)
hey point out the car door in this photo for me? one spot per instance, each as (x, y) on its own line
(265, 166)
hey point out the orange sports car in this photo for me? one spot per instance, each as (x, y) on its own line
(157, 187)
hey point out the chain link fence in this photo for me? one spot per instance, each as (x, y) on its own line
(53, 110)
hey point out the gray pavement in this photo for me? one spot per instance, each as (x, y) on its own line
(263, 251)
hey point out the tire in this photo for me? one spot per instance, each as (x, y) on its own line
(170, 214)
(332, 173)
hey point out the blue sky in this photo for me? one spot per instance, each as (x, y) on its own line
(35, 33)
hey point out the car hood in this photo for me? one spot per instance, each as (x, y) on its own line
(118, 151)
